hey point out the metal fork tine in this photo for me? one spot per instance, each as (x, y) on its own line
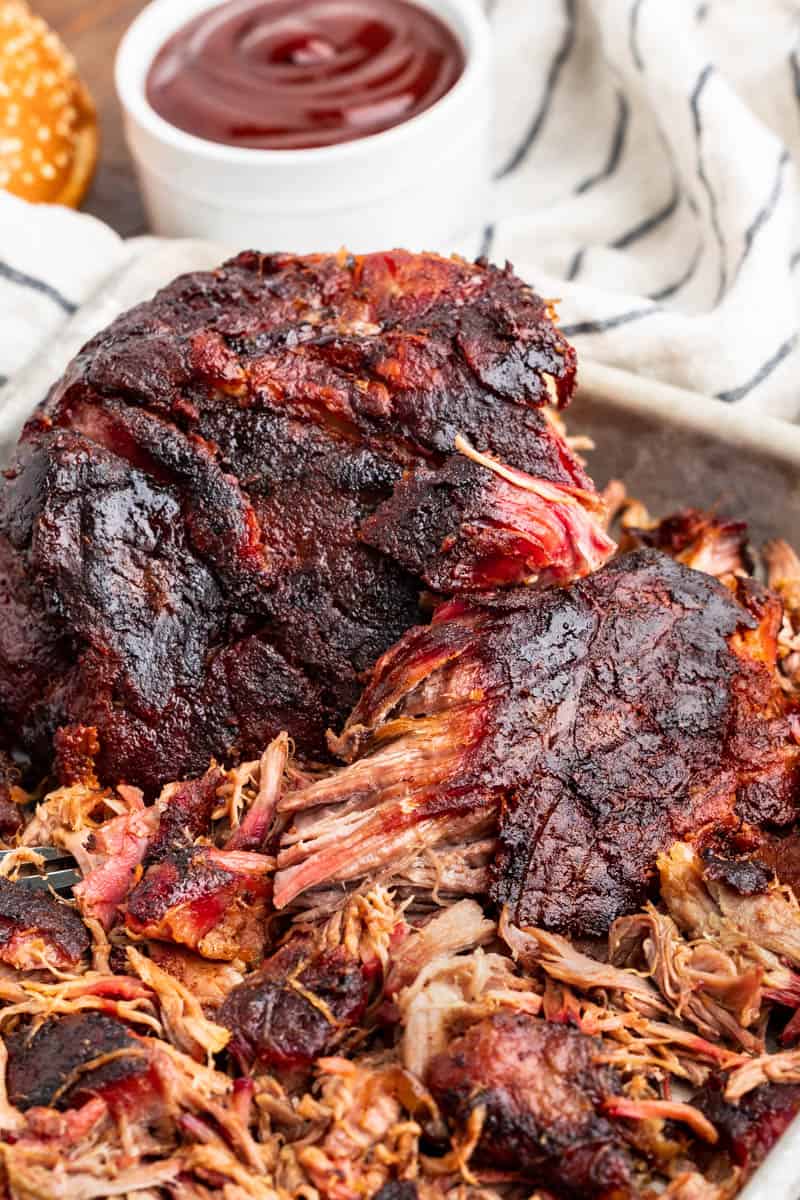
(49, 853)
(59, 874)
(63, 881)
(59, 881)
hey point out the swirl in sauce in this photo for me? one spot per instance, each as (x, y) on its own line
(288, 74)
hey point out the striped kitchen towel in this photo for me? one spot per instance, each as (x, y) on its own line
(51, 261)
(645, 175)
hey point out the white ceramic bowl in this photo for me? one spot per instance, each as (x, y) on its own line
(422, 184)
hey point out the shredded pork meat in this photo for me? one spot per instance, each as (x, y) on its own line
(286, 981)
(328, 1064)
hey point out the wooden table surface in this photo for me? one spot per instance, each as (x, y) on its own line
(92, 29)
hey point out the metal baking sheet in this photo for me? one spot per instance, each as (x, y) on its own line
(671, 447)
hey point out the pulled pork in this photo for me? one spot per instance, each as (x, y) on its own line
(288, 982)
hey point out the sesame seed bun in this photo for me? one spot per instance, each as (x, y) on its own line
(48, 127)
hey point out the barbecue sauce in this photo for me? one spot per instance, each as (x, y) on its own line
(291, 74)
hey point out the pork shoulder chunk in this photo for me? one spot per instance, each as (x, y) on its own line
(590, 727)
(187, 559)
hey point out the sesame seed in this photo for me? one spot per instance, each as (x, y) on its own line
(43, 133)
(47, 171)
(27, 177)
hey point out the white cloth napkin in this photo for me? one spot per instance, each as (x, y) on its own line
(645, 175)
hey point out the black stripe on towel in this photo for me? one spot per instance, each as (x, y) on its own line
(604, 323)
(633, 34)
(559, 58)
(694, 102)
(664, 293)
(576, 263)
(649, 223)
(763, 371)
(794, 63)
(36, 285)
(764, 213)
(616, 148)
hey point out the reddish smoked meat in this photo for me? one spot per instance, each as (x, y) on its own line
(599, 723)
(207, 453)
(213, 901)
(698, 539)
(12, 818)
(118, 850)
(542, 1094)
(466, 527)
(121, 845)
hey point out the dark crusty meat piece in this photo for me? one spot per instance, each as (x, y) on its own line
(543, 1094)
(54, 1065)
(297, 1007)
(779, 853)
(397, 1189)
(186, 809)
(191, 893)
(37, 930)
(12, 817)
(745, 874)
(182, 565)
(750, 1127)
(213, 901)
(472, 524)
(601, 723)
